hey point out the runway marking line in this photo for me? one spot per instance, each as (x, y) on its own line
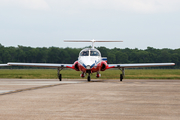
(34, 88)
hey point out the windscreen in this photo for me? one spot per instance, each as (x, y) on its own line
(94, 53)
(84, 53)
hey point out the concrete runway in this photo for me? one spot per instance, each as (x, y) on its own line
(99, 99)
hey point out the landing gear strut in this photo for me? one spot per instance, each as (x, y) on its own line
(59, 75)
(122, 75)
(89, 77)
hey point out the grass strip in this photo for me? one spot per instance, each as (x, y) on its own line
(108, 74)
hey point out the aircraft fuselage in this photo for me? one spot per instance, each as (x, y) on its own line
(90, 61)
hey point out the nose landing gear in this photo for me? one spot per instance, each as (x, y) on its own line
(89, 77)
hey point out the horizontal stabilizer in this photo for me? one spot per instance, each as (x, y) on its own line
(93, 41)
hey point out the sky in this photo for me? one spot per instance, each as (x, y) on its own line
(46, 23)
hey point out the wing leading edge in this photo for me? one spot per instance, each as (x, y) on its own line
(139, 65)
(50, 65)
(3, 65)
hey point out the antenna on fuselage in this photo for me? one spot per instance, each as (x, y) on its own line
(93, 41)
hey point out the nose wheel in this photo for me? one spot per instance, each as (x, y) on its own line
(89, 78)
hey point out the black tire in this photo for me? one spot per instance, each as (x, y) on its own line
(60, 77)
(121, 77)
(89, 78)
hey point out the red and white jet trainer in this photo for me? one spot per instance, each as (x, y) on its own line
(89, 61)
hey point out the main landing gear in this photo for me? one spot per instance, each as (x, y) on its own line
(122, 75)
(59, 75)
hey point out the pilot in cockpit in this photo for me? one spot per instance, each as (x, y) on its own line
(94, 53)
(85, 53)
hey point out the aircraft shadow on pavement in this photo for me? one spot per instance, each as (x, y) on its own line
(97, 81)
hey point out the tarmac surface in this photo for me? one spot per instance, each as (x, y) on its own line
(100, 99)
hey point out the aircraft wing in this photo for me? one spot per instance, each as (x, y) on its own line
(139, 65)
(3, 65)
(50, 65)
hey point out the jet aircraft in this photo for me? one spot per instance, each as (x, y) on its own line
(89, 61)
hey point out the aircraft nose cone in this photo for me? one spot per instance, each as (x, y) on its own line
(88, 62)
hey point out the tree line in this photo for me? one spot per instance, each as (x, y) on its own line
(69, 55)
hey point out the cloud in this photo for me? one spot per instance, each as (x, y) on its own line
(78, 6)
(150, 6)
(26, 4)
(139, 6)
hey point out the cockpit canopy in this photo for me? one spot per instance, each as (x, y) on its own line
(90, 52)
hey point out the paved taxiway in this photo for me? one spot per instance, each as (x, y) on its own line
(99, 99)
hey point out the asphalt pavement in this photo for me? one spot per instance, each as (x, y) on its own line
(98, 99)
